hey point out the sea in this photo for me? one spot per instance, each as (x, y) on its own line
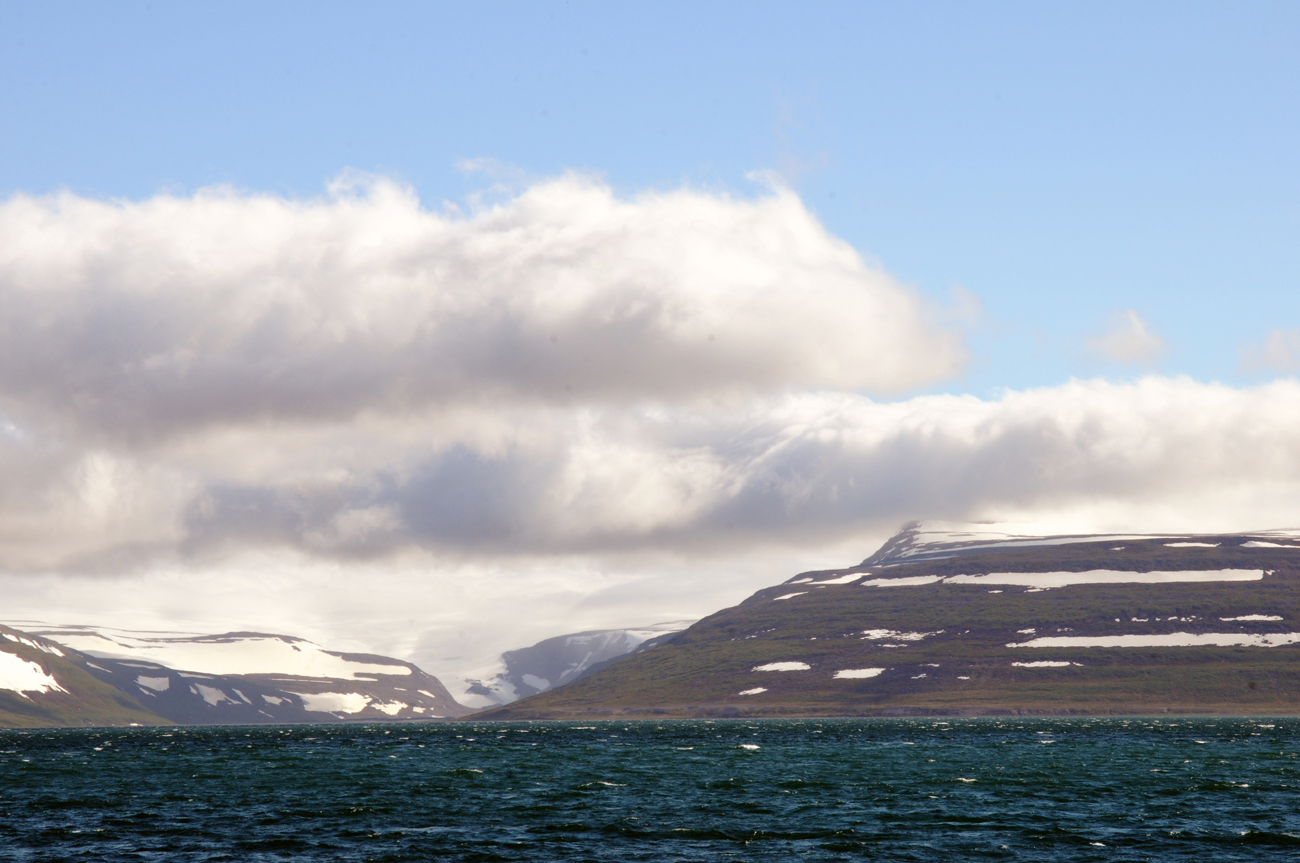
(1165, 788)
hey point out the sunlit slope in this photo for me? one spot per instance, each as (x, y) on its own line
(950, 625)
(42, 685)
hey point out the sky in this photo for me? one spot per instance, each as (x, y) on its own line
(436, 330)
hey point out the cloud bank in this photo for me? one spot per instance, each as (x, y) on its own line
(137, 321)
(564, 373)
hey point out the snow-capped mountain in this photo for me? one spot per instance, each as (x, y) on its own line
(973, 619)
(929, 541)
(244, 677)
(566, 658)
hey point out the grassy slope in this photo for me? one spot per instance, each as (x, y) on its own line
(703, 670)
(87, 702)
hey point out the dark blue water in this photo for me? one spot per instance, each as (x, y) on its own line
(1033, 790)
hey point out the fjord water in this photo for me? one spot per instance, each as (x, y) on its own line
(734, 790)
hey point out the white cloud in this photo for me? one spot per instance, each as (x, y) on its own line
(1280, 352)
(142, 320)
(1129, 340)
(452, 538)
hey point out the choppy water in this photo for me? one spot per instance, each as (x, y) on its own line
(1034, 790)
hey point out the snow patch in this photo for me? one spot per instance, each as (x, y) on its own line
(857, 673)
(157, 684)
(1172, 639)
(755, 691)
(1253, 617)
(790, 595)
(333, 702)
(541, 684)
(1257, 543)
(895, 635)
(843, 579)
(910, 581)
(211, 694)
(224, 654)
(1046, 663)
(782, 666)
(45, 648)
(1044, 580)
(23, 676)
(1191, 545)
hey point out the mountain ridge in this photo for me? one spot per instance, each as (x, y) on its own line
(94, 675)
(980, 624)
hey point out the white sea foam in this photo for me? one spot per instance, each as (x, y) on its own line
(755, 691)
(783, 666)
(23, 676)
(857, 673)
(1172, 639)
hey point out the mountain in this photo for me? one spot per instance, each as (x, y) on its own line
(234, 678)
(968, 621)
(43, 685)
(565, 658)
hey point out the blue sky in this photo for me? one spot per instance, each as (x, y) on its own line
(1064, 162)
(622, 312)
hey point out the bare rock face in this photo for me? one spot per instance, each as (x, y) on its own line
(967, 619)
(247, 678)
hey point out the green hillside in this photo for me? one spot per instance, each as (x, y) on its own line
(84, 701)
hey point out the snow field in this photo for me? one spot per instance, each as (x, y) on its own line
(24, 676)
(1172, 639)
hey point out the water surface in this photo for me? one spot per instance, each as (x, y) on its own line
(734, 790)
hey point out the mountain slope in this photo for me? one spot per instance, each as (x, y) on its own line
(564, 659)
(971, 623)
(42, 685)
(245, 678)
